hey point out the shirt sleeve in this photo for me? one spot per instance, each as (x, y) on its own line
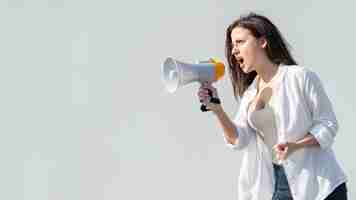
(243, 130)
(325, 125)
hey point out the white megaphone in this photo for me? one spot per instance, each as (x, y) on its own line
(176, 74)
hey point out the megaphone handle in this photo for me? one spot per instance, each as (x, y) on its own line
(203, 108)
(215, 100)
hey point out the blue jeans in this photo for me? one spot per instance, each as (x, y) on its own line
(282, 190)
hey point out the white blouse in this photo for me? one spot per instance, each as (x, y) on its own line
(303, 107)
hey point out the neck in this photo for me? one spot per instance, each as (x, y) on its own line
(267, 71)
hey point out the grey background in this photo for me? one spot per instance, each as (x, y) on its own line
(84, 114)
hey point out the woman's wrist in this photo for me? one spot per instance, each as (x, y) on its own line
(218, 110)
(308, 141)
(297, 145)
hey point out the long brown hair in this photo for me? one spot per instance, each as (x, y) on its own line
(277, 49)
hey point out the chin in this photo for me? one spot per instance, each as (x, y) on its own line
(246, 70)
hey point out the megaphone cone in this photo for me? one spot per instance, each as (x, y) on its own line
(176, 73)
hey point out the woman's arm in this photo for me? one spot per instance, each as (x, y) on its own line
(236, 132)
(228, 126)
(325, 125)
(308, 141)
(285, 149)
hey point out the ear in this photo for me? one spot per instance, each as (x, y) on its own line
(262, 42)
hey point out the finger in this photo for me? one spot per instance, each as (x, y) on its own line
(206, 88)
(203, 96)
(280, 146)
(277, 151)
(280, 156)
(277, 147)
(203, 89)
(212, 91)
(205, 102)
(207, 91)
(209, 86)
(205, 84)
(202, 92)
(283, 157)
(211, 106)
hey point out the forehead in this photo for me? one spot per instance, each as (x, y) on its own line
(240, 33)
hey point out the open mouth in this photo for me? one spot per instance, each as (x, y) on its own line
(240, 60)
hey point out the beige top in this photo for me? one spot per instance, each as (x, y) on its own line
(264, 122)
(264, 116)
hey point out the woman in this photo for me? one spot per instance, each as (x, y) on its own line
(285, 124)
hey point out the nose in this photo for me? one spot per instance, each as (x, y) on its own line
(234, 50)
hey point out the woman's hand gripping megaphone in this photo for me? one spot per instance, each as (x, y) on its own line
(208, 96)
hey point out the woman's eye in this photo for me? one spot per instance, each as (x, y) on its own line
(238, 42)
